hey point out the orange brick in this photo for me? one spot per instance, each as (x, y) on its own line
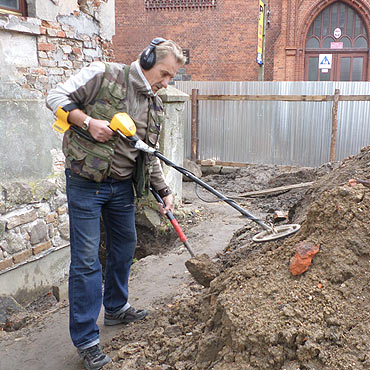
(77, 51)
(22, 256)
(48, 24)
(41, 247)
(6, 264)
(61, 34)
(44, 46)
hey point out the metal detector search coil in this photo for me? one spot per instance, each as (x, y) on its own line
(276, 232)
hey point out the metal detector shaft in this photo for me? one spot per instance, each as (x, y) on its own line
(213, 191)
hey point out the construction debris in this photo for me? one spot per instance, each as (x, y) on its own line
(305, 251)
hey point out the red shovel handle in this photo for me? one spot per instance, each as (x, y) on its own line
(177, 227)
(174, 222)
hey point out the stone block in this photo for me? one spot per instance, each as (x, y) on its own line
(51, 217)
(51, 231)
(62, 210)
(8, 306)
(228, 169)
(58, 242)
(18, 193)
(2, 207)
(39, 232)
(171, 94)
(211, 170)
(2, 228)
(202, 269)
(44, 190)
(16, 241)
(60, 199)
(192, 167)
(43, 209)
(148, 217)
(20, 217)
(63, 226)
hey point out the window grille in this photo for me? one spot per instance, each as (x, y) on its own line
(179, 4)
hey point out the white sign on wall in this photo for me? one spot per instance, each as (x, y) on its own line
(325, 61)
(337, 33)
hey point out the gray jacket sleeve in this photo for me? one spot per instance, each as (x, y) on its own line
(79, 90)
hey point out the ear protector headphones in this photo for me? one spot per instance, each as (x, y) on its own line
(147, 57)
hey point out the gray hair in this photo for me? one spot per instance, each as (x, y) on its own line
(169, 47)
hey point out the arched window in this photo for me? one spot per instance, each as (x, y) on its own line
(337, 46)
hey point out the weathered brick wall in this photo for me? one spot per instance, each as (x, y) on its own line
(33, 209)
(223, 39)
(33, 221)
(61, 49)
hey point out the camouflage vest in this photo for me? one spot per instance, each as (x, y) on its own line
(93, 160)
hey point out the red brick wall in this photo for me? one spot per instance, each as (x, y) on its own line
(297, 16)
(223, 40)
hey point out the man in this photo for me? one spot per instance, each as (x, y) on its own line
(101, 169)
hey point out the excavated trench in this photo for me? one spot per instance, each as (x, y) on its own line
(150, 241)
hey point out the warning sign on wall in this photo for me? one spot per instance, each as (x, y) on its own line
(325, 61)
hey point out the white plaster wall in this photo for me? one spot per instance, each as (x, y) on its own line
(35, 276)
(18, 49)
(83, 25)
(106, 17)
(49, 9)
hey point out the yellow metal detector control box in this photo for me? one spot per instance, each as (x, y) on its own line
(61, 124)
(123, 123)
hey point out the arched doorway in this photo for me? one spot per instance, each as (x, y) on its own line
(337, 46)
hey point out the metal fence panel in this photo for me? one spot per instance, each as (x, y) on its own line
(276, 132)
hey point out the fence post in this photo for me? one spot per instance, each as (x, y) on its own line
(194, 125)
(172, 135)
(334, 127)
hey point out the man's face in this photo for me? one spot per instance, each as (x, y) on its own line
(162, 73)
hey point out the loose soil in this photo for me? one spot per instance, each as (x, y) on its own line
(256, 314)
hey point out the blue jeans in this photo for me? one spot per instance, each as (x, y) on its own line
(87, 201)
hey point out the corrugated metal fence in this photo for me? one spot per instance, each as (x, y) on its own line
(277, 132)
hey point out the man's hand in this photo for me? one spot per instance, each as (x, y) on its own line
(168, 201)
(99, 130)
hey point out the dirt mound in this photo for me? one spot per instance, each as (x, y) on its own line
(256, 314)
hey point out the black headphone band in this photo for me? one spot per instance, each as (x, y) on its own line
(148, 57)
(157, 41)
